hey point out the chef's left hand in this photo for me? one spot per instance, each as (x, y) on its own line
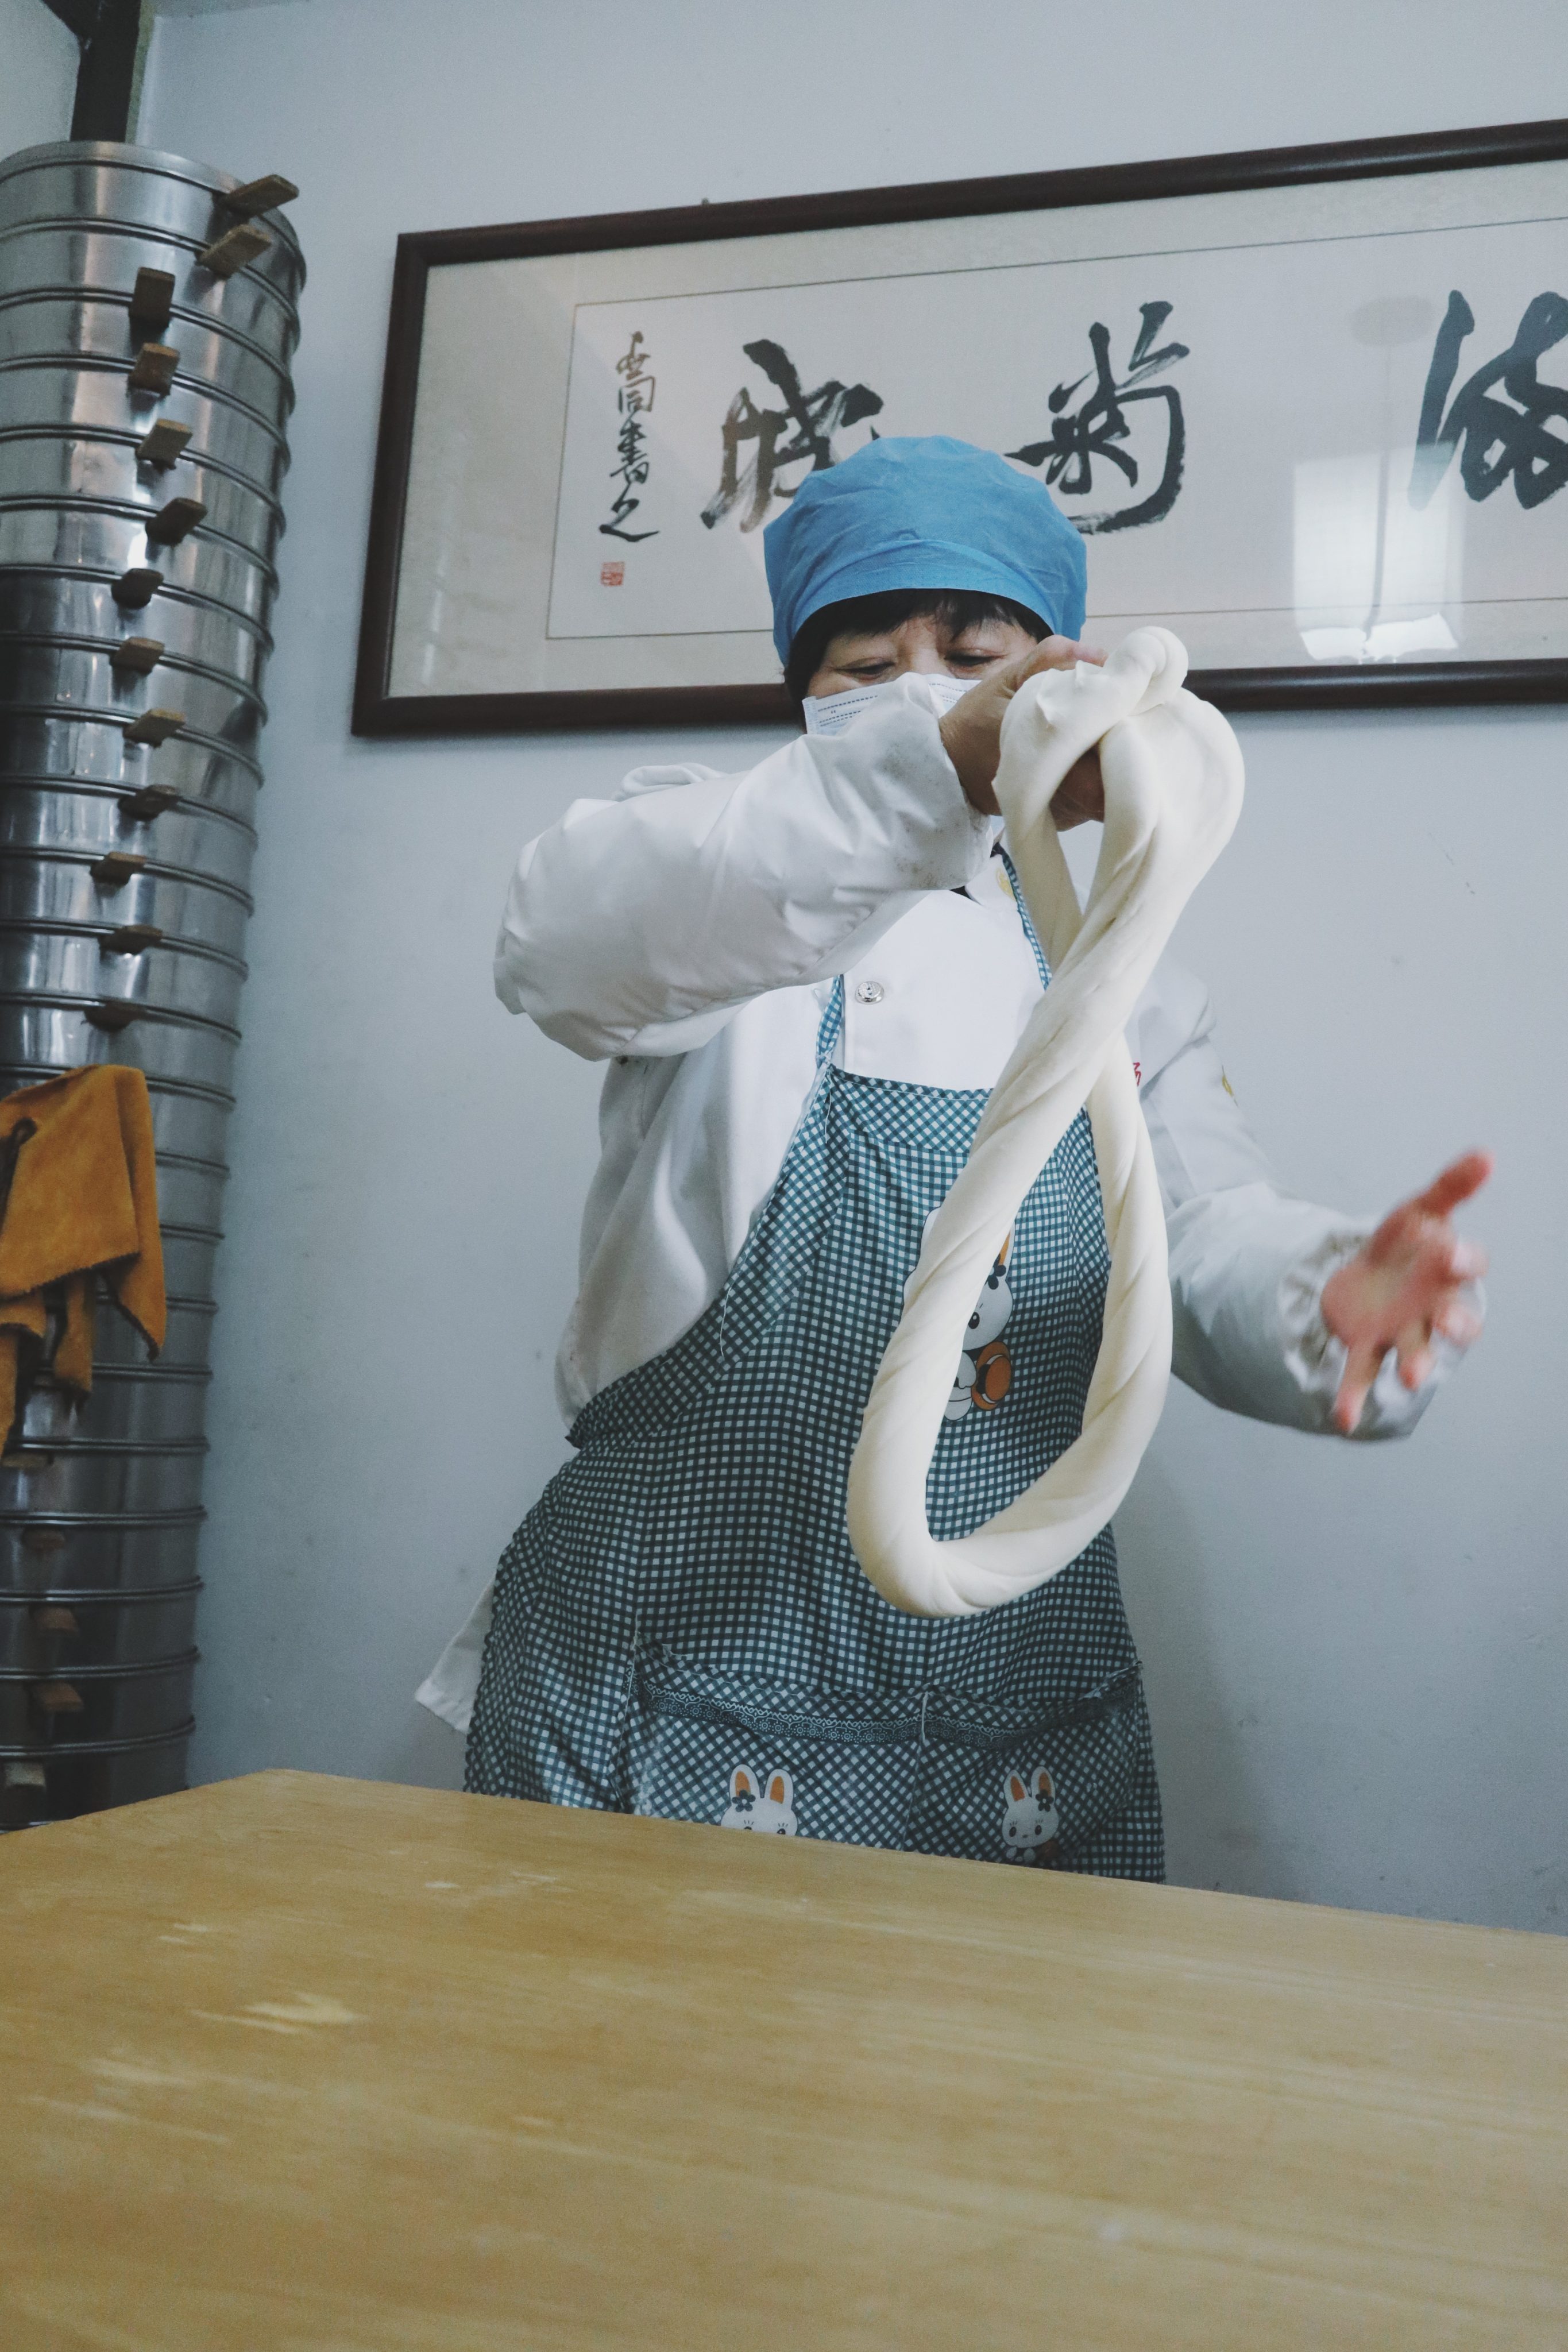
(1080, 798)
(972, 730)
(1403, 1287)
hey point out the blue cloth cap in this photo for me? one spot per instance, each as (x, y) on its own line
(926, 513)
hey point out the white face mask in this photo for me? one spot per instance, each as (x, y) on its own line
(830, 714)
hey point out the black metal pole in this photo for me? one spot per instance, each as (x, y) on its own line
(107, 32)
(108, 69)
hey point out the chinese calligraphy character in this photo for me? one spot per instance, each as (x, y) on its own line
(1499, 440)
(1099, 426)
(633, 399)
(816, 418)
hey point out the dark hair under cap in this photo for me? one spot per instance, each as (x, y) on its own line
(953, 609)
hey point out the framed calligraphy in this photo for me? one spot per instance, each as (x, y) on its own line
(1310, 404)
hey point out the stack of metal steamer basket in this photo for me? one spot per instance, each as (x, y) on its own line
(147, 319)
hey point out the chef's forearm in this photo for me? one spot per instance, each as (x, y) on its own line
(638, 925)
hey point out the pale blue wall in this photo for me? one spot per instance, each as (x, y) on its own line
(38, 76)
(1355, 1659)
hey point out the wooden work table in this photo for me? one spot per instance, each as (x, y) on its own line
(309, 2065)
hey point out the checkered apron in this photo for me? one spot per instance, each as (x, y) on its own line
(680, 1626)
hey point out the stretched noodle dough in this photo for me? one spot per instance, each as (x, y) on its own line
(1173, 794)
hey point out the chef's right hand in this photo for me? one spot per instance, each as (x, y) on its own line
(972, 735)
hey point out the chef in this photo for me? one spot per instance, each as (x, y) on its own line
(803, 979)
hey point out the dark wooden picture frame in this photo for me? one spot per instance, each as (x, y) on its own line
(1317, 686)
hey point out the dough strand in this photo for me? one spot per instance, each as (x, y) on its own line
(1173, 794)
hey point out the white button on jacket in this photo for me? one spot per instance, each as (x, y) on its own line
(690, 932)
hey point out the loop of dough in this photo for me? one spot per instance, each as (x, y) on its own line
(1172, 792)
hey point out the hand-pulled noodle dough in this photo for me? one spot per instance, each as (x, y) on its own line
(1172, 792)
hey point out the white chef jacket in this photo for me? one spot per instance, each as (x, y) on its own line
(689, 931)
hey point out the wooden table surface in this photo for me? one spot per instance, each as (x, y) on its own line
(295, 2065)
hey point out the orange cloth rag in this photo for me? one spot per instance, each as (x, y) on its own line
(83, 1199)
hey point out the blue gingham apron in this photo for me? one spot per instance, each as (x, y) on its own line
(680, 1627)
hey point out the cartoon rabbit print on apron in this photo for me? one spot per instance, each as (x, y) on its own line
(683, 1599)
(760, 1802)
(1031, 1824)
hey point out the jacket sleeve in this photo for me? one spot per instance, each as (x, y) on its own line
(1248, 1261)
(639, 925)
